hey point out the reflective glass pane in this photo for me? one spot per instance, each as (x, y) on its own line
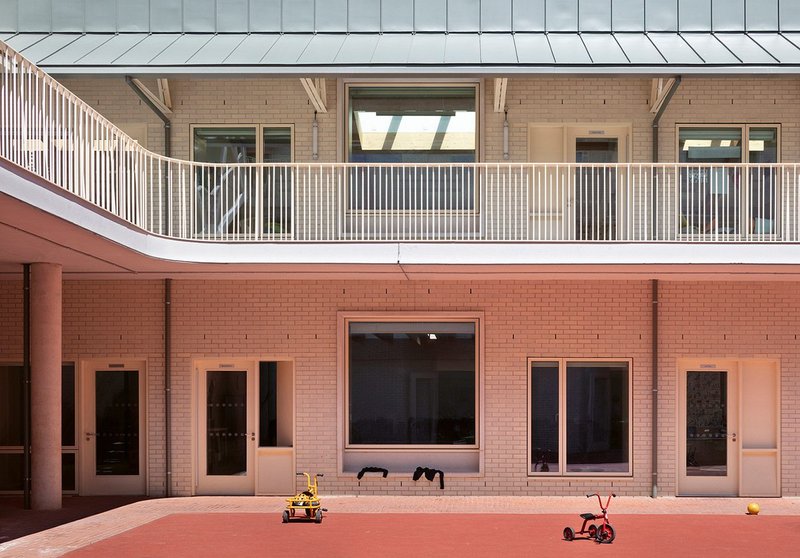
(225, 196)
(597, 417)
(710, 195)
(706, 424)
(11, 405)
(67, 471)
(226, 422)
(412, 383)
(596, 188)
(11, 467)
(412, 125)
(117, 422)
(68, 405)
(268, 404)
(277, 199)
(544, 417)
(763, 152)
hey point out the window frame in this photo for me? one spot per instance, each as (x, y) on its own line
(65, 449)
(744, 194)
(563, 362)
(345, 134)
(259, 128)
(346, 318)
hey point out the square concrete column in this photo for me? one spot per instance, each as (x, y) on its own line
(45, 327)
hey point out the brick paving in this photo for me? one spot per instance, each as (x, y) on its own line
(87, 531)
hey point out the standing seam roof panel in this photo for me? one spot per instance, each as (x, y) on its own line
(217, 49)
(182, 50)
(47, 46)
(357, 48)
(287, 50)
(23, 40)
(745, 49)
(778, 46)
(498, 48)
(639, 49)
(674, 49)
(322, 49)
(603, 49)
(112, 49)
(427, 48)
(709, 48)
(78, 49)
(533, 48)
(147, 49)
(252, 49)
(392, 49)
(568, 48)
(462, 48)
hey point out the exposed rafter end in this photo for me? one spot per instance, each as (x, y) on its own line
(163, 92)
(658, 92)
(151, 96)
(500, 85)
(315, 89)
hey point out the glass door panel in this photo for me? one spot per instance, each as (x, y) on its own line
(226, 424)
(708, 419)
(706, 424)
(596, 188)
(113, 428)
(117, 422)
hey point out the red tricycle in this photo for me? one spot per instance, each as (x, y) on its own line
(603, 533)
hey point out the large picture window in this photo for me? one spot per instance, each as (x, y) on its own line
(579, 417)
(717, 196)
(431, 129)
(237, 200)
(411, 383)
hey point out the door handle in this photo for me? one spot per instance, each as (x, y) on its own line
(89, 435)
(252, 436)
(733, 437)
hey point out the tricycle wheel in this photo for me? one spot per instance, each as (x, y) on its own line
(592, 531)
(569, 534)
(318, 516)
(308, 512)
(285, 516)
(606, 534)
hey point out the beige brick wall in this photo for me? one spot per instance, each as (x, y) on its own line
(544, 99)
(550, 319)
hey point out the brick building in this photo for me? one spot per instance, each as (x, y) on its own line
(480, 236)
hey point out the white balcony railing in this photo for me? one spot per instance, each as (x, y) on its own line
(49, 131)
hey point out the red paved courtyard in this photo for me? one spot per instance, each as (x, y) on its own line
(350, 535)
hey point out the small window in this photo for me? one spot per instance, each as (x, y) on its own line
(412, 384)
(579, 417)
(245, 202)
(717, 195)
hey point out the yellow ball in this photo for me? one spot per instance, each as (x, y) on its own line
(753, 508)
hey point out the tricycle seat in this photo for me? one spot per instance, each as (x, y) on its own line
(587, 516)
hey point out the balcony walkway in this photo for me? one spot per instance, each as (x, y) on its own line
(418, 526)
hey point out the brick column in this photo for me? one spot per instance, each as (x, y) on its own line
(45, 297)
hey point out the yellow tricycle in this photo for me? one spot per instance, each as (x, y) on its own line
(306, 504)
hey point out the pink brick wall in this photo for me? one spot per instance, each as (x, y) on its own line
(298, 319)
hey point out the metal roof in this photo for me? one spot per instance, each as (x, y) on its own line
(396, 16)
(404, 36)
(402, 53)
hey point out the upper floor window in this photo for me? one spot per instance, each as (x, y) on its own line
(718, 194)
(412, 124)
(433, 129)
(244, 201)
